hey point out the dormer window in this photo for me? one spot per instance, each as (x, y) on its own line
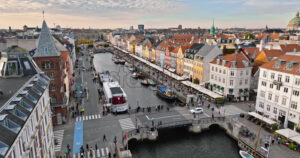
(9, 124)
(46, 50)
(31, 98)
(25, 105)
(35, 90)
(3, 148)
(12, 109)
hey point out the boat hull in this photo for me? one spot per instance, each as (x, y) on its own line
(164, 96)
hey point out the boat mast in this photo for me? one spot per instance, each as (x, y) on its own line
(258, 136)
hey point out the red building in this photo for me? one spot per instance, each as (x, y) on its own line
(49, 59)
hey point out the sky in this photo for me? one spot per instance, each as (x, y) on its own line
(151, 13)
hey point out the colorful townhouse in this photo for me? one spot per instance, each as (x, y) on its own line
(189, 56)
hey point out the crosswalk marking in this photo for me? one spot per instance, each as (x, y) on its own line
(58, 135)
(126, 124)
(88, 117)
(96, 153)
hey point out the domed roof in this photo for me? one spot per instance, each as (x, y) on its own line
(295, 21)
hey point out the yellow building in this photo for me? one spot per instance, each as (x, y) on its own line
(147, 51)
(197, 70)
(132, 46)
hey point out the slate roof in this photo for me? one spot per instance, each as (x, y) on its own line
(205, 50)
(46, 46)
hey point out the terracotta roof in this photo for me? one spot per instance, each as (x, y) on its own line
(252, 52)
(271, 35)
(289, 47)
(226, 36)
(239, 58)
(282, 62)
(272, 53)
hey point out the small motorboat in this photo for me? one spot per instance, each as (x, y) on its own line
(245, 154)
(140, 75)
(151, 82)
(144, 82)
(134, 75)
(131, 68)
(116, 61)
(122, 61)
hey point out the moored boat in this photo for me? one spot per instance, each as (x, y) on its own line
(122, 61)
(165, 93)
(115, 97)
(151, 82)
(245, 154)
(140, 75)
(145, 83)
(134, 75)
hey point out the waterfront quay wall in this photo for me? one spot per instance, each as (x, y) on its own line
(230, 125)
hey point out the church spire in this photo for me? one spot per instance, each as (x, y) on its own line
(212, 28)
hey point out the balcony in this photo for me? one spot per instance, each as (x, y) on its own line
(277, 83)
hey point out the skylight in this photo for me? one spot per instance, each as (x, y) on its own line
(31, 98)
(18, 113)
(38, 92)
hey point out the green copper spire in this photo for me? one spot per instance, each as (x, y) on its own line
(212, 28)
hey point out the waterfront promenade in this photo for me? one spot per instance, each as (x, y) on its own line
(111, 125)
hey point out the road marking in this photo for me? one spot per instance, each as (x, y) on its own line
(126, 124)
(99, 116)
(102, 152)
(147, 117)
(76, 118)
(92, 116)
(96, 116)
(58, 135)
(165, 117)
(206, 114)
(98, 153)
(83, 118)
(107, 151)
(94, 154)
(87, 117)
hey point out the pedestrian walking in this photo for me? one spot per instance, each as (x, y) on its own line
(273, 140)
(278, 140)
(96, 146)
(87, 147)
(104, 138)
(109, 155)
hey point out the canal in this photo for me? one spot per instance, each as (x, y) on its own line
(171, 143)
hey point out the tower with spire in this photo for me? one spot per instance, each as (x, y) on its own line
(49, 59)
(212, 28)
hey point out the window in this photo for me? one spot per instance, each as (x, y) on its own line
(231, 83)
(262, 94)
(212, 68)
(268, 107)
(287, 79)
(279, 78)
(53, 99)
(275, 110)
(297, 81)
(241, 72)
(12, 68)
(51, 75)
(263, 83)
(272, 75)
(283, 101)
(246, 81)
(277, 87)
(270, 96)
(261, 105)
(38, 92)
(216, 69)
(3, 148)
(31, 98)
(7, 123)
(241, 82)
(25, 105)
(276, 98)
(286, 89)
(223, 80)
(247, 72)
(231, 73)
(27, 65)
(47, 65)
(224, 71)
(271, 85)
(212, 77)
(220, 71)
(294, 105)
(265, 74)
(295, 92)
(52, 87)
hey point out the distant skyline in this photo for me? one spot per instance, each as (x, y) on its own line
(152, 13)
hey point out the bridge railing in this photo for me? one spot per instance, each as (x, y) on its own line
(174, 124)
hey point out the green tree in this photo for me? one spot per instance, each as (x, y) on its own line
(90, 46)
(196, 81)
(249, 35)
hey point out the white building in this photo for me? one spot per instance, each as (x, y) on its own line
(230, 76)
(25, 113)
(279, 88)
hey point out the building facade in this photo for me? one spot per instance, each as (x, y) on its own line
(278, 90)
(230, 76)
(25, 113)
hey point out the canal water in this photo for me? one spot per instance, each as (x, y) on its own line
(171, 143)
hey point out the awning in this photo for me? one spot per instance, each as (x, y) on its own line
(222, 88)
(218, 87)
(241, 90)
(230, 90)
(214, 85)
(290, 134)
(266, 120)
(246, 90)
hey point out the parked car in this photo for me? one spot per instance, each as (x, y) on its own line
(197, 110)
